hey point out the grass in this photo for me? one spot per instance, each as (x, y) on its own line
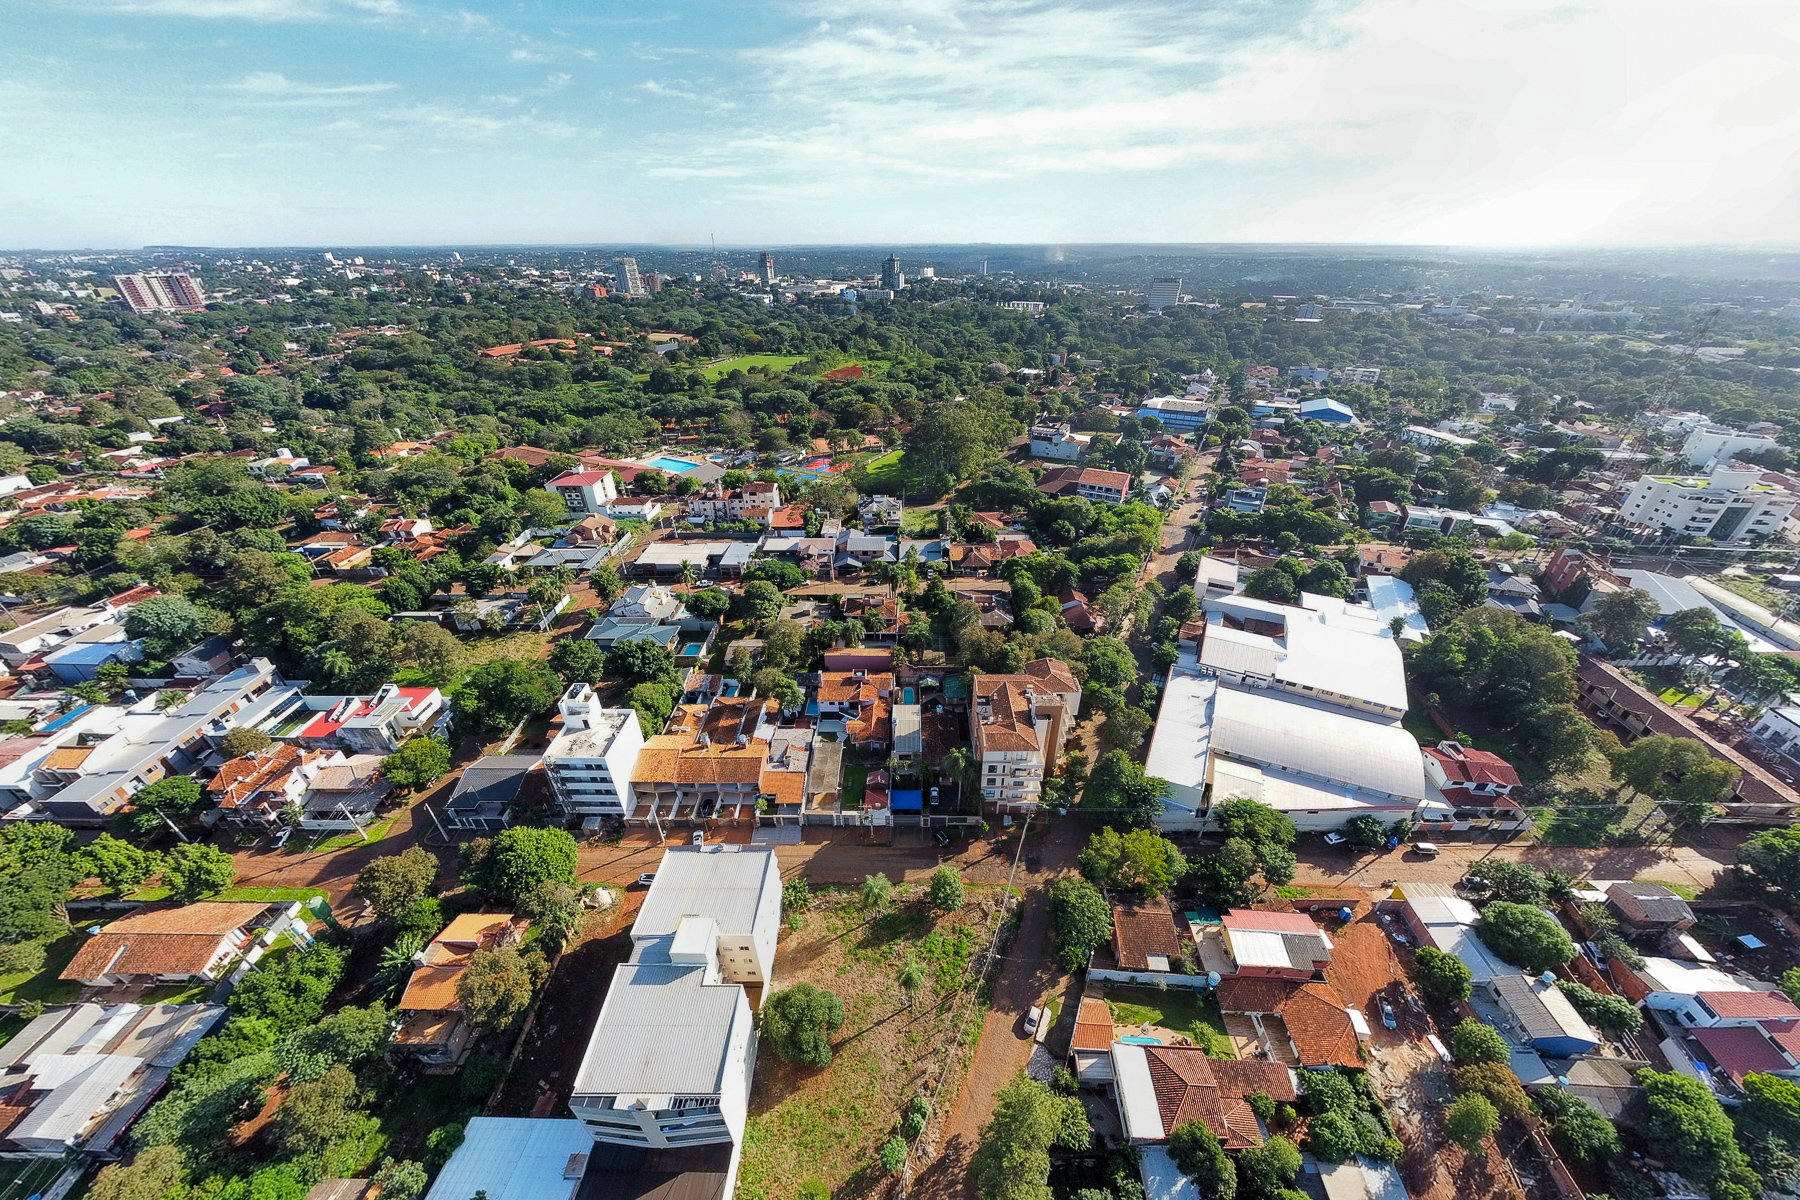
(1177, 1009)
(918, 523)
(339, 841)
(22, 1177)
(887, 474)
(177, 993)
(1678, 696)
(269, 894)
(1752, 590)
(1685, 891)
(851, 794)
(24, 987)
(771, 363)
(526, 644)
(1419, 725)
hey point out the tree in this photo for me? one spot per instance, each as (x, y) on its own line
(318, 1113)
(1471, 1120)
(1615, 1014)
(1365, 830)
(1198, 1154)
(653, 703)
(396, 964)
(1441, 976)
(1335, 1135)
(1579, 1129)
(577, 660)
(1688, 1128)
(1517, 882)
(176, 798)
(876, 891)
(418, 764)
(242, 741)
(1623, 618)
(1497, 1082)
(799, 1022)
(1257, 823)
(431, 648)
(499, 694)
(1139, 860)
(1526, 937)
(556, 909)
(497, 987)
(172, 622)
(760, 603)
(1272, 583)
(394, 883)
(1126, 727)
(1768, 1125)
(1080, 921)
(1681, 772)
(153, 1174)
(1471, 1042)
(1771, 858)
(1119, 791)
(349, 1037)
(118, 864)
(402, 1180)
(1265, 1171)
(523, 857)
(946, 889)
(1012, 1161)
(640, 661)
(193, 870)
(1223, 878)
(709, 605)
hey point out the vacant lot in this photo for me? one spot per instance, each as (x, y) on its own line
(770, 363)
(830, 1124)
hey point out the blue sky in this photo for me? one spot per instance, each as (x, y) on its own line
(1473, 122)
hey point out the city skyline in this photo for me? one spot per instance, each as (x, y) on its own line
(387, 122)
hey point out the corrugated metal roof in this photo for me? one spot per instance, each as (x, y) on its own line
(663, 1031)
(513, 1158)
(1543, 1011)
(725, 883)
(1313, 740)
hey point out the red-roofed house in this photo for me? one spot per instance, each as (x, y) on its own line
(1742, 1008)
(585, 492)
(1452, 765)
(1090, 483)
(375, 724)
(1740, 1050)
(1275, 945)
(1163, 1087)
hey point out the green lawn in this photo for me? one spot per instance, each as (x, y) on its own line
(851, 794)
(771, 363)
(1177, 1009)
(271, 894)
(886, 475)
(1680, 697)
(44, 985)
(1420, 726)
(22, 1177)
(1685, 891)
(918, 522)
(337, 841)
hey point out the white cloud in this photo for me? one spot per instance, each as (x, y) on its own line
(254, 10)
(273, 83)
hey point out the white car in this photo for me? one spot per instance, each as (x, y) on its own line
(1428, 849)
(1335, 839)
(1033, 1015)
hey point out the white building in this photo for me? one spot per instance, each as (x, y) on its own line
(516, 1158)
(1016, 730)
(627, 281)
(590, 761)
(1176, 412)
(1726, 506)
(1435, 439)
(671, 1057)
(1059, 442)
(1712, 444)
(585, 492)
(1164, 291)
(1330, 651)
(1779, 730)
(1369, 375)
(755, 500)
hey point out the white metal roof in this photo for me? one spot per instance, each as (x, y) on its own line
(513, 1158)
(1259, 948)
(663, 1031)
(1332, 746)
(1460, 940)
(1441, 910)
(1687, 979)
(1137, 1093)
(1183, 737)
(724, 882)
(1329, 645)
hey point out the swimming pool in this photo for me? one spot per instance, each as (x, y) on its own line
(674, 466)
(1142, 1041)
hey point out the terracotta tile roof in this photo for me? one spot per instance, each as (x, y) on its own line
(67, 758)
(1059, 479)
(1093, 1025)
(845, 687)
(169, 941)
(472, 930)
(1144, 929)
(676, 758)
(788, 787)
(1007, 712)
(1462, 765)
(1246, 1076)
(1250, 994)
(1053, 672)
(1742, 1049)
(1192, 1087)
(1271, 922)
(432, 987)
(1321, 1029)
(240, 780)
(874, 725)
(1756, 1006)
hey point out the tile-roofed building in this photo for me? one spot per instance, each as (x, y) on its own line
(1741, 1050)
(1649, 906)
(1254, 994)
(1161, 1088)
(1320, 1028)
(1147, 938)
(165, 945)
(432, 1026)
(258, 788)
(1478, 771)
(373, 724)
(1017, 726)
(1089, 483)
(713, 770)
(1740, 1008)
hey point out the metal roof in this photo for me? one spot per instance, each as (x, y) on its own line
(663, 1031)
(1543, 1011)
(724, 882)
(514, 1158)
(1325, 743)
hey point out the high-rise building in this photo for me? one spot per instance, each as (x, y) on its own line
(629, 281)
(891, 278)
(765, 268)
(1164, 291)
(172, 291)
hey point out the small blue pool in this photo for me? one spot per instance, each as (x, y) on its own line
(674, 466)
(906, 695)
(1142, 1041)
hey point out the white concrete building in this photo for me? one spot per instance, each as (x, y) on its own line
(671, 1057)
(1176, 412)
(585, 492)
(1059, 442)
(1329, 651)
(1726, 506)
(591, 760)
(1016, 730)
(1712, 444)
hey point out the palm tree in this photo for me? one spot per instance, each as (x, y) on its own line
(396, 963)
(912, 979)
(336, 663)
(959, 767)
(690, 574)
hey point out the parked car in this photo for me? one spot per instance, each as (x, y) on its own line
(940, 837)
(934, 796)
(699, 837)
(1428, 849)
(1335, 839)
(646, 879)
(1033, 1015)
(1387, 1013)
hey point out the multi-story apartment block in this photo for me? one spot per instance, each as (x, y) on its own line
(1726, 506)
(591, 760)
(755, 501)
(628, 281)
(163, 291)
(1016, 730)
(707, 764)
(1059, 442)
(671, 1058)
(1711, 444)
(1177, 412)
(585, 492)
(1164, 291)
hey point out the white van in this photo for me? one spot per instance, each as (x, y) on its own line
(1428, 849)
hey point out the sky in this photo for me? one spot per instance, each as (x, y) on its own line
(762, 124)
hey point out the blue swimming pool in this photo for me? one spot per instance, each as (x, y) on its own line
(674, 466)
(1142, 1041)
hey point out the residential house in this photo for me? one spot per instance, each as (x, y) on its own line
(80, 659)
(864, 702)
(1649, 908)
(258, 789)
(376, 724)
(1274, 945)
(433, 1028)
(20, 645)
(671, 1057)
(1545, 1019)
(1090, 483)
(1515, 593)
(193, 942)
(754, 501)
(707, 764)
(1478, 784)
(76, 1077)
(1059, 442)
(586, 491)
(344, 795)
(1017, 726)
(1299, 1024)
(595, 529)
(488, 791)
(878, 512)
(1742, 1007)
(635, 508)
(1160, 1088)
(531, 1158)
(591, 759)
(1148, 939)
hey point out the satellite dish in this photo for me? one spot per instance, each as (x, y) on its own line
(1212, 978)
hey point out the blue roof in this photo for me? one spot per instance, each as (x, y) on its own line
(71, 715)
(912, 800)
